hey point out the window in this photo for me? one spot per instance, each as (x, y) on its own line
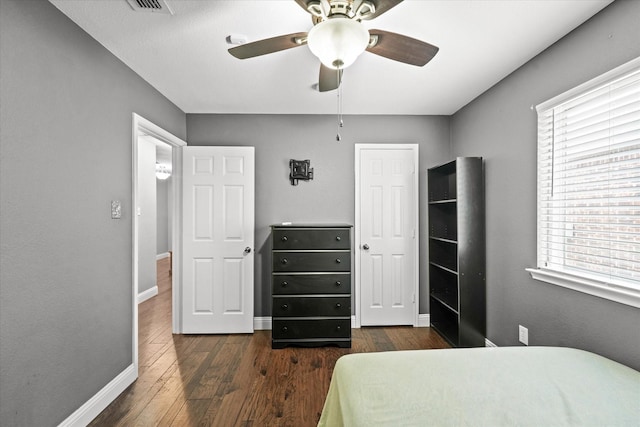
(589, 187)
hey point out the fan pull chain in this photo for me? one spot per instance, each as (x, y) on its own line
(340, 122)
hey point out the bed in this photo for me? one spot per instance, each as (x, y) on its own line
(506, 386)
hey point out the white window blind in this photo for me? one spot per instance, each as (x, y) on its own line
(589, 181)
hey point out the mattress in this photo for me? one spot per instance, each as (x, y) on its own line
(506, 386)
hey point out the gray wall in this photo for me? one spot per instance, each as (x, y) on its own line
(501, 126)
(330, 196)
(162, 209)
(65, 265)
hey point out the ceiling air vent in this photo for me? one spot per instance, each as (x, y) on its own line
(156, 6)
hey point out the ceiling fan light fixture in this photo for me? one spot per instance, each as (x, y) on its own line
(338, 42)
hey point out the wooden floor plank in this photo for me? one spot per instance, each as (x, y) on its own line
(190, 413)
(235, 380)
(172, 389)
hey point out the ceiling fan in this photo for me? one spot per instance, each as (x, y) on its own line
(338, 37)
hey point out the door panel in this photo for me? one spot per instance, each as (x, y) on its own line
(203, 213)
(233, 283)
(233, 226)
(376, 282)
(203, 293)
(218, 224)
(388, 231)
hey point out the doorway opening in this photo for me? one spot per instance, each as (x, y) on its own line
(153, 211)
(149, 144)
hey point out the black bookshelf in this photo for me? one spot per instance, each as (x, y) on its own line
(457, 294)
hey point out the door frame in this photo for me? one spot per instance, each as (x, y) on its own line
(142, 125)
(416, 193)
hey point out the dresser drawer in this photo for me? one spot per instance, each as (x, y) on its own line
(327, 283)
(312, 261)
(331, 238)
(311, 329)
(311, 306)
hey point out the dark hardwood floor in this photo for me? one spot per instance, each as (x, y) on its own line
(234, 380)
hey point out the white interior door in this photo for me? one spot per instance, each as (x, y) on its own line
(218, 239)
(387, 252)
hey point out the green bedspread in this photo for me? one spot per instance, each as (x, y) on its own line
(507, 386)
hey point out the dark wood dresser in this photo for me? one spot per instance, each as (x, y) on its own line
(311, 285)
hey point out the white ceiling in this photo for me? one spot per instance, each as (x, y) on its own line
(184, 55)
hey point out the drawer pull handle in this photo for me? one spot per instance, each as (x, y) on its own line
(338, 283)
(284, 238)
(338, 305)
(285, 307)
(284, 260)
(285, 329)
(338, 328)
(338, 238)
(284, 284)
(338, 260)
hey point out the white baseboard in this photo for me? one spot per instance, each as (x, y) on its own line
(162, 256)
(262, 323)
(424, 320)
(92, 408)
(145, 295)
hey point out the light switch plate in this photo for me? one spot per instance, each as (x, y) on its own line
(116, 209)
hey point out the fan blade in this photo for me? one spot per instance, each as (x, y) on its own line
(329, 79)
(382, 6)
(274, 44)
(401, 48)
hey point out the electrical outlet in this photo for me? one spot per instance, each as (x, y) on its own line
(523, 335)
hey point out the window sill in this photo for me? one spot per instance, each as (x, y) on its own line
(591, 287)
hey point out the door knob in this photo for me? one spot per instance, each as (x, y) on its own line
(247, 250)
(365, 247)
